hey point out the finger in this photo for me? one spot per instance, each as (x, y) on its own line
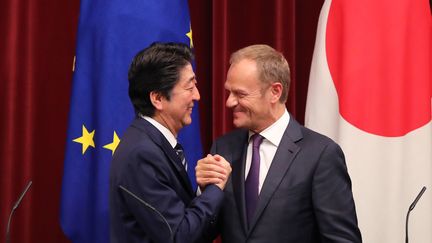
(207, 160)
(203, 182)
(217, 167)
(211, 174)
(206, 181)
(221, 159)
(218, 157)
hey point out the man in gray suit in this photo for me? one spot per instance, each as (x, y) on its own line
(288, 183)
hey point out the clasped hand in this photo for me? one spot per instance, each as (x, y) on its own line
(212, 169)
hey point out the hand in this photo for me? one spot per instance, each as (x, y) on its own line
(212, 170)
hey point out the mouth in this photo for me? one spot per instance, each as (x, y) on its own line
(237, 113)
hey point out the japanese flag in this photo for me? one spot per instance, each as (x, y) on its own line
(370, 90)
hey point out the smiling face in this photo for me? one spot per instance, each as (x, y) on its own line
(250, 99)
(175, 112)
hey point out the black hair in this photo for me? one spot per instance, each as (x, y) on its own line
(156, 69)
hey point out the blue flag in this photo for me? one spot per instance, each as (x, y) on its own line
(110, 33)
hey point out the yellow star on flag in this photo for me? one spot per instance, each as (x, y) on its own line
(86, 139)
(189, 34)
(112, 146)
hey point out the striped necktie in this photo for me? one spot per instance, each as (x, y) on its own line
(179, 150)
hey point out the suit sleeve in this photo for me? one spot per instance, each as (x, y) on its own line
(164, 216)
(213, 229)
(332, 198)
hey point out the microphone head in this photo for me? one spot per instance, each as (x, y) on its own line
(22, 195)
(417, 198)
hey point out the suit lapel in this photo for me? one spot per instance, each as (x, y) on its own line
(175, 160)
(157, 137)
(238, 181)
(284, 157)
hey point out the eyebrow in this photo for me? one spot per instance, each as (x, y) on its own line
(191, 79)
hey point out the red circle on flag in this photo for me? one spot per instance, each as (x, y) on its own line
(379, 56)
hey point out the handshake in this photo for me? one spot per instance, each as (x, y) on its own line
(213, 169)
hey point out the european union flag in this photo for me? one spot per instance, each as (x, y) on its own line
(110, 33)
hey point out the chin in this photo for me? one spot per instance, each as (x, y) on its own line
(187, 122)
(238, 124)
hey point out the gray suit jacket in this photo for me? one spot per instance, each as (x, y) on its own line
(306, 196)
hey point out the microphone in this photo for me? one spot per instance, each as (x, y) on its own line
(13, 210)
(411, 207)
(147, 205)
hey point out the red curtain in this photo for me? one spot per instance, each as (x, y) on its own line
(221, 27)
(37, 49)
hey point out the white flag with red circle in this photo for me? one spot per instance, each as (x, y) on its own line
(370, 90)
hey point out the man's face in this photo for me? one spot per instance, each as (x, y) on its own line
(248, 97)
(177, 111)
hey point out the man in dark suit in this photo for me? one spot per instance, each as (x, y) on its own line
(289, 184)
(151, 197)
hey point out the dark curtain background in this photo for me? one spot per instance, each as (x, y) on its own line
(222, 26)
(37, 48)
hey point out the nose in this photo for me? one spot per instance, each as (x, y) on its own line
(231, 101)
(196, 94)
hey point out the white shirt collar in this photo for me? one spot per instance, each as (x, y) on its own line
(275, 131)
(165, 131)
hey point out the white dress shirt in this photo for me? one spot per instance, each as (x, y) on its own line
(165, 131)
(272, 137)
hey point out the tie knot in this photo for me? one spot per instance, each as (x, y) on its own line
(178, 147)
(257, 140)
(179, 150)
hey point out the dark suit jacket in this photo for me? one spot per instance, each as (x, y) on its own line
(306, 196)
(157, 203)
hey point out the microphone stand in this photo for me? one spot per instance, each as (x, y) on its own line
(411, 207)
(13, 210)
(153, 209)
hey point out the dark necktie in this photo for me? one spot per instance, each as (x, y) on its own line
(179, 150)
(252, 180)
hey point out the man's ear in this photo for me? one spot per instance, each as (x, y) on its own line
(276, 91)
(156, 99)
